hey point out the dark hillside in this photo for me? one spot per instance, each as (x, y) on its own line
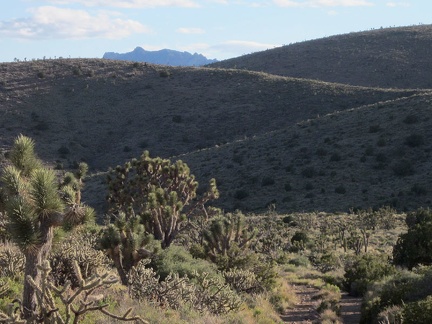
(371, 156)
(105, 112)
(389, 58)
(265, 138)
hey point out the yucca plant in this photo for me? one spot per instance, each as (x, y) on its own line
(34, 202)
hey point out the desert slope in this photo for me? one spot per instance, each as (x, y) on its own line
(388, 57)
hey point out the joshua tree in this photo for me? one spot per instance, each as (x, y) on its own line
(34, 202)
(149, 196)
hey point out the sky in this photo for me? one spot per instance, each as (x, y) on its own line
(218, 29)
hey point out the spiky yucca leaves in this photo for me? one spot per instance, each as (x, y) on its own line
(33, 207)
(149, 196)
(162, 193)
(125, 242)
(23, 157)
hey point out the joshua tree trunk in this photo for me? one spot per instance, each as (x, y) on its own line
(34, 257)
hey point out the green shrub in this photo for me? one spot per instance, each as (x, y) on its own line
(309, 186)
(241, 194)
(308, 172)
(365, 269)
(335, 157)
(176, 259)
(321, 151)
(374, 128)
(410, 119)
(419, 312)
(414, 247)
(288, 186)
(164, 74)
(415, 140)
(300, 237)
(403, 168)
(340, 190)
(177, 119)
(63, 150)
(76, 70)
(267, 181)
(381, 142)
(418, 190)
(42, 126)
(369, 151)
(300, 261)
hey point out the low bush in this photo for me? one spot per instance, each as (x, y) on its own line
(365, 269)
(418, 312)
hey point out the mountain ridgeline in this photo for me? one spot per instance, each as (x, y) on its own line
(325, 125)
(164, 57)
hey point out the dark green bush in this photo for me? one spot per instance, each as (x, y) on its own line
(381, 142)
(176, 259)
(369, 150)
(309, 186)
(241, 194)
(164, 74)
(410, 119)
(300, 236)
(340, 190)
(419, 190)
(363, 270)
(63, 150)
(308, 172)
(414, 247)
(42, 126)
(335, 157)
(403, 168)
(177, 119)
(419, 312)
(267, 181)
(415, 140)
(374, 128)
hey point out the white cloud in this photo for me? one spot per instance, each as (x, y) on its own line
(398, 4)
(322, 3)
(130, 3)
(239, 47)
(185, 30)
(52, 22)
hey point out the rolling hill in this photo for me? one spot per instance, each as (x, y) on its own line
(388, 57)
(298, 143)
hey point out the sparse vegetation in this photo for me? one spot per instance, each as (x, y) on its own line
(295, 155)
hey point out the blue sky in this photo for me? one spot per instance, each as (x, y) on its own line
(220, 29)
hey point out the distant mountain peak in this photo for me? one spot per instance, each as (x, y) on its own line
(164, 56)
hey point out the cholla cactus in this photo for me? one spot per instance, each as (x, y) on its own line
(12, 261)
(33, 205)
(204, 293)
(76, 302)
(214, 295)
(79, 247)
(224, 232)
(243, 280)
